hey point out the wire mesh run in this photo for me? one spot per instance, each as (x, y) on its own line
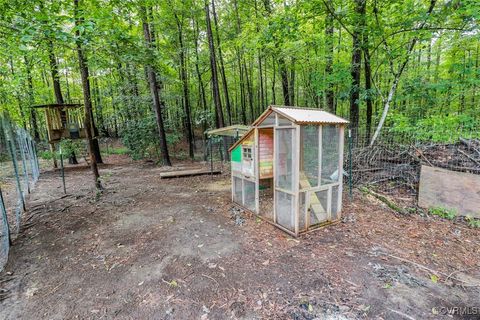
(19, 171)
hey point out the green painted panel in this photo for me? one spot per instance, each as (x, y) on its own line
(237, 154)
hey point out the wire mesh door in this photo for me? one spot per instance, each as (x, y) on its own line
(284, 179)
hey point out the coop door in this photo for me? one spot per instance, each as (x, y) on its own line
(284, 177)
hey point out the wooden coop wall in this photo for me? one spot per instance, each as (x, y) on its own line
(244, 182)
(265, 141)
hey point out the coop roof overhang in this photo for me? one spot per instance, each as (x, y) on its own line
(58, 105)
(230, 131)
(300, 116)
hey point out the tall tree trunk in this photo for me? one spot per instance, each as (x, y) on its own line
(284, 76)
(240, 67)
(250, 91)
(474, 87)
(31, 101)
(398, 74)
(355, 68)
(57, 90)
(99, 108)
(292, 83)
(368, 86)
(213, 67)
(86, 96)
(274, 101)
(329, 94)
(222, 66)
(201, 87)
(154, 91)
(186, 98)
(260, 79)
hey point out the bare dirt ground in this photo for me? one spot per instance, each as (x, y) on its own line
(168, 249)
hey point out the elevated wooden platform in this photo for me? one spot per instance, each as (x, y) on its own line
(188, 173)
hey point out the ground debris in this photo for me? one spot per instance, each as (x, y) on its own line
(237, 216)
(395, 274)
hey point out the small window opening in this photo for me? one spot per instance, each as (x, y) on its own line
(247, 153)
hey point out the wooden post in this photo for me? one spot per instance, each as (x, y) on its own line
(340, 171)
(256, 169)
(296, 176)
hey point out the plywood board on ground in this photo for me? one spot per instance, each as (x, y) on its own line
(450, 189)
(187, 173)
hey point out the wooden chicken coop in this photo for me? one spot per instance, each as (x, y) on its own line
(64, 121)
(288, 168)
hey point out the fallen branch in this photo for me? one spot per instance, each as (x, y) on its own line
(469, 156)
(437, 273)
(469, 144)
(384, 199)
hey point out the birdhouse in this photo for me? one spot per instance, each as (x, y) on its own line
(287, 168)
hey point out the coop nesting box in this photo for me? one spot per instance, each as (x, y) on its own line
(288, 168)
(64, 121)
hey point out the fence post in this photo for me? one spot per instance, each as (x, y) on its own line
(62, 168)
(17, 176)
(37, 164)
(3, 212)
(24, 162)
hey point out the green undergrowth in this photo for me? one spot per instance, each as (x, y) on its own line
(445, 213)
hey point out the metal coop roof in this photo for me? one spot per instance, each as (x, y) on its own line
(235, 131)
(308, 116)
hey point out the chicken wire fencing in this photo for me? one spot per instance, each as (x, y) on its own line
(392, 164)
(19, 170)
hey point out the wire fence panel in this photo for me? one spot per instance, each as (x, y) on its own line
(392, 164)
(19, 171)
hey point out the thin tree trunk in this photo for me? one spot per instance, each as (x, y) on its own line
(240, 67)
(397, 76)
(355, 68)
(250, 91)
(291, 84)
(31, 101)
(186, 99)
(98, 107)
(213, 67)
(329, 94)
(368, 87)
(199, 75)
(86, 97)
(284, 75)
(273, 81)
(222, 66)
(154, 91)
(57, 90)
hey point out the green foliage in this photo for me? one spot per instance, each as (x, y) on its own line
(46, 155)
(449, 214)
(68, 146)
(141, 138)
(472, 222)
(437, 97)
(437, 128)
(117, 151)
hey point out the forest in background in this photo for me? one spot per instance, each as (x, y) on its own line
(160, 73)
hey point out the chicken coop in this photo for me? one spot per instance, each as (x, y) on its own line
(287, 168)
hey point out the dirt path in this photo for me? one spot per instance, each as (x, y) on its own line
(168, 249)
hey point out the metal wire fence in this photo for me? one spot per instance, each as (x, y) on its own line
(19, 170)
(392, 163)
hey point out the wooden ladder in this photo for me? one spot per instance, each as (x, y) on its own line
(316, 206)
